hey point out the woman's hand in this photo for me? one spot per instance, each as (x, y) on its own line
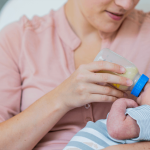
(81, 87)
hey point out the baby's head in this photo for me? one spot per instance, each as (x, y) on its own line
(144, 98)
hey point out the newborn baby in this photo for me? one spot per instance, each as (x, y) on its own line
(126, 123)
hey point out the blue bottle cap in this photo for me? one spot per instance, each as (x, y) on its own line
(139, 85)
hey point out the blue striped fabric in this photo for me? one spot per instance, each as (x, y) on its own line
(142, 115)
(94, 136)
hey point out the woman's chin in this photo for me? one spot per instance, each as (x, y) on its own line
(107, 27)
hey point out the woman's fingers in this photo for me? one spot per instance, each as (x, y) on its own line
(82, 88)
(105, 90)
(103, 65)
(101, 98)
(108, 78)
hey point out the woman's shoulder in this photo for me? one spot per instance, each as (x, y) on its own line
(35, 24)
(139, 17)
(10, 40)
(38, 24)
(13, 35)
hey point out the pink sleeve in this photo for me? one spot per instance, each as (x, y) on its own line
(10, 81)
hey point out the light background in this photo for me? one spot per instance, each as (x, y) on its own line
(2, 2)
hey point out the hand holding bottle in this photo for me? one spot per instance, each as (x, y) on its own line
(132, 72)
(81, 87)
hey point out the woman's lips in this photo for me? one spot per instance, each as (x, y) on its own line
(115, 16)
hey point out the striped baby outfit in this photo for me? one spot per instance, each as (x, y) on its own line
(94, 136)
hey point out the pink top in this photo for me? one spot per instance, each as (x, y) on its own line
(37, 55)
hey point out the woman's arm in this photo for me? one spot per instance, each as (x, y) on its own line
(134, 146)
(26, 129)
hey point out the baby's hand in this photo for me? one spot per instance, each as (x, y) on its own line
(119, 125)
(144, 98)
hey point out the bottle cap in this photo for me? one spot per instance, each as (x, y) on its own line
(139, 85)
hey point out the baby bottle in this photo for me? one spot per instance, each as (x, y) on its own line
(139, 81)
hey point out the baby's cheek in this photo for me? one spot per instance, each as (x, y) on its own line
(147, 93)
(145, 97)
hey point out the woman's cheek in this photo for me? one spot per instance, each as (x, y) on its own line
(95, 3)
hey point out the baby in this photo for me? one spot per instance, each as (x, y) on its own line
(127, 122)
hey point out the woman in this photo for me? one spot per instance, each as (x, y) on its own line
(49, 89)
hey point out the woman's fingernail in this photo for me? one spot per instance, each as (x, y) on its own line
(129, 82)
(122, 69)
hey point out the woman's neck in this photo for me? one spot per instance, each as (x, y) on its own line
(77, 20)
(79, 24)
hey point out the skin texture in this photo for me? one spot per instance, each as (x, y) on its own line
(143, 99)
(26, 129)
(95, 12)
(124, 127)
(119, 125)
(92, 15)
(135, 146)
